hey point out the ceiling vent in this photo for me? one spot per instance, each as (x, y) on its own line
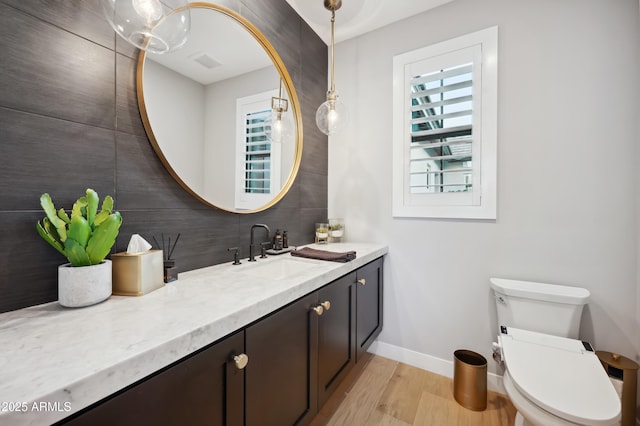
(206, 61)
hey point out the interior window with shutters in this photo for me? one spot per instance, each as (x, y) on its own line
(445, 129)
(257, 155)
(441, 155)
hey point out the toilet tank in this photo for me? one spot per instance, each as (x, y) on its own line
(545, 308)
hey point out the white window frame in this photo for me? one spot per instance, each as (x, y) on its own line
(481, 201)
(246, 200)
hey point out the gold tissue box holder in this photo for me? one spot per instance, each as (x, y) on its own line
(135, 274)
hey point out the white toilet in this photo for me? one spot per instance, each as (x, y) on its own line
(550, 377)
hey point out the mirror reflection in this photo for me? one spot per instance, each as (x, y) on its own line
(222, 114)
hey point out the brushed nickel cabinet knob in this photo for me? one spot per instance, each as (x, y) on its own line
(326, 305)
(318, 310)
(362, 281)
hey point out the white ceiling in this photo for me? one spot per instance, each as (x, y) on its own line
(215, 40)
(211, 38)
(357, 17)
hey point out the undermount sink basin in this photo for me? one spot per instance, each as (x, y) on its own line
(278, 269)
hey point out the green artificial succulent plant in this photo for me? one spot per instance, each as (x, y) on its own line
(87, 236)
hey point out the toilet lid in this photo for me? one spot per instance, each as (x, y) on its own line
(560, 375)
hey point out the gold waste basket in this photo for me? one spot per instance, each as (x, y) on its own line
(470, 379)
(625, 369)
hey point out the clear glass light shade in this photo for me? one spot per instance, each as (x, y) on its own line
(280, 128)
(331, 116)
(276, 130)
(157, 26)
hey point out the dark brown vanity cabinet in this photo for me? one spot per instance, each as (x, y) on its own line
(206, 388)
(369, 305)
(300, 354)
(296, 357)
(280, 378)
(336, 334)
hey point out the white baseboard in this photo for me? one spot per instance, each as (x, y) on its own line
(430, 363)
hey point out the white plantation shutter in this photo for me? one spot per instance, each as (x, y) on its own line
(445, 129)
(441, 130)
(257, 154)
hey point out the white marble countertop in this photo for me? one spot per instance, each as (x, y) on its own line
(55, 361)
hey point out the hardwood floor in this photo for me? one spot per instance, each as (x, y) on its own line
(387, 392)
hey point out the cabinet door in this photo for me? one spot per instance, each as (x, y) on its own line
(281, 378)
(369, 305)
(205, 388)
(336, 335)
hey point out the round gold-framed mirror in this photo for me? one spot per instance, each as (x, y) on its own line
(222, 113)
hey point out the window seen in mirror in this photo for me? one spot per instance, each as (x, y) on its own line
(258, 152)
(259, 156)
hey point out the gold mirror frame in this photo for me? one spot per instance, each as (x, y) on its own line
(288, 85)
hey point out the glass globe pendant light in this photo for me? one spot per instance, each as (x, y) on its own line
(157, 26)
(331, 116)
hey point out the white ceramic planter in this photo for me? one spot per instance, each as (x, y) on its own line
(84, 285)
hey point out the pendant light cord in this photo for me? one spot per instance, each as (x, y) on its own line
(333, 20)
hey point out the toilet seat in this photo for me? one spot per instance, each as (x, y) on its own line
(560, 375)
(534, 415)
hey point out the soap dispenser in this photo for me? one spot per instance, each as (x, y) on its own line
(277, 241)
(285, 240)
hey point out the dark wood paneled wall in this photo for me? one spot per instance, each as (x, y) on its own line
(69, 120)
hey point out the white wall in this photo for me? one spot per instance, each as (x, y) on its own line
(567, 180)
(175, 106)
(638, 210)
